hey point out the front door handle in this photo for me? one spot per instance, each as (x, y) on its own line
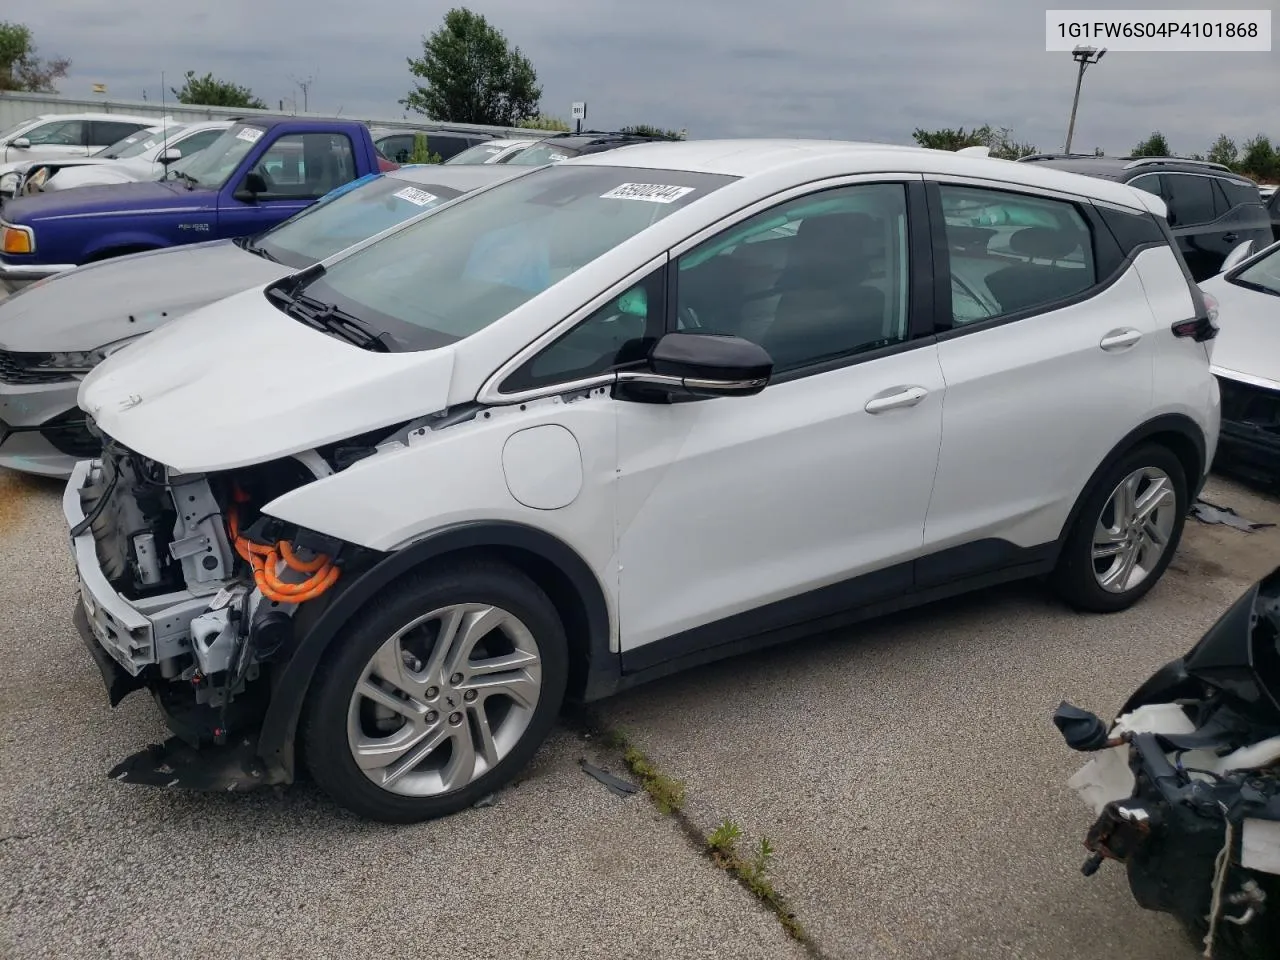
(1231, 237)
(900, 397)
(1120, 339)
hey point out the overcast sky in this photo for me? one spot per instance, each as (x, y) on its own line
(818, 68)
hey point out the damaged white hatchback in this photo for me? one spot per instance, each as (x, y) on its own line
(619, 416)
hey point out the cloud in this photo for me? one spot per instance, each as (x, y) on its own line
(802, 68)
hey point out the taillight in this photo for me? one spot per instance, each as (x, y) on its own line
(1203, 327)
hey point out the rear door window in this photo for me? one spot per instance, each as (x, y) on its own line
(1238, 193)
(1190, 199)
(103, 133)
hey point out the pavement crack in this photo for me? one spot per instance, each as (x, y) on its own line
(720, 847)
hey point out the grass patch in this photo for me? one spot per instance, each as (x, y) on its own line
(752, 872)
(667, 794)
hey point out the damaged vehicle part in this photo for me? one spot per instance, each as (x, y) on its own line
(1185, 783)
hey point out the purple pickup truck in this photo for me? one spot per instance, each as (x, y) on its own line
(261, 171)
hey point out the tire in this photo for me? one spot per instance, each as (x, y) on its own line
(1078, 577)
(484, 606)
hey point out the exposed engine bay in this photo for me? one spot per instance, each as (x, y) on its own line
(191, 592)
(1186, 783)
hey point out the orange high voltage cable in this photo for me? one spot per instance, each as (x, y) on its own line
(264, 560)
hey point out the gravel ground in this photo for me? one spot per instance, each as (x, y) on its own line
(906, 772)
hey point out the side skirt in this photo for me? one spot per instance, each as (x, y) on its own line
(949, 573)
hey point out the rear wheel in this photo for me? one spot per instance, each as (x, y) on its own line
(1126, 532)
(440, 693)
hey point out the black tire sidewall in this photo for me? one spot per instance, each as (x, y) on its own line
(1074, 577)
(324, 734)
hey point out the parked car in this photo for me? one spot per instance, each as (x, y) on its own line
(563, 146)
(53, 332)
(144, 158)
(1246, 362)
(1211, 209)
(1273, 211)
(257, 173)
(624, 414)
(62, 135)
(397, 144)
(497, 150)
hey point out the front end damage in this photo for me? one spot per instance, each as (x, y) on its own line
(1249, 443)
(189, 592)
(1185, 784)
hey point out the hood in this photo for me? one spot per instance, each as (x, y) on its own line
(116, 198)
(103, 302)
(116, 171)
(240, 382)
(1248, 339)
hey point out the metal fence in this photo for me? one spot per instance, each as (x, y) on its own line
(17, 107)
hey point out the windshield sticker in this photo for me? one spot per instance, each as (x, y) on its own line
(650, 192)
(251, 134)
(149, 144)
(416, 196)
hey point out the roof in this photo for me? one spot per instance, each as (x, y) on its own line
(410, 131)
(823, 158)
(1126, 168)
(122, 117)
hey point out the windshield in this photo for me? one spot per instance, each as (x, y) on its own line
(540, 153)
(8, 133)
(152, 139)
(113, 152)
(455, 272)
(213, 165)
(336, 222)
(1263, 276)
(480, 153)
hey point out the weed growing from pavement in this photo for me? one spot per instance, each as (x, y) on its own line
(721, 845)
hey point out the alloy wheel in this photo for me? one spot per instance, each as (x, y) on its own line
(1134, 529)
(444, 699)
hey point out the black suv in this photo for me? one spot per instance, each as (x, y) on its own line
(1211, 209)
(562, 146)
(397, 145)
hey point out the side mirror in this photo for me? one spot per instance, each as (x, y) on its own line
(689, 366)
(22, 143)
(253, 185)
(1237, 256)
(170, 155)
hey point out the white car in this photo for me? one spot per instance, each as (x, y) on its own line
(624, 414)
(498, 150)
(1246, 361)
(145, 156)
(61, 135)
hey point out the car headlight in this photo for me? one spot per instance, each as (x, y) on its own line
(14, 239)
(37, 179)
(80, 361)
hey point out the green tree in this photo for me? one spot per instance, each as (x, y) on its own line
(999, 140)
(1154, 146)
(209, 91)
(20, 68)
(472, 74)
(544, 122)
(648, 130)
(1223, 151)
(1260, 159)
(421, 152)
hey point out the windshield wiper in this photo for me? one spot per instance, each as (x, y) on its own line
(339, 323)
(246, 243)
(192, 182)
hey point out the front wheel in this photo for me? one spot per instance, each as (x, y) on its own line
(439, 694)
(1126, 532)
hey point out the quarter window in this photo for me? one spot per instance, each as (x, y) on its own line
(818, 278)
(617, 335)
(1012, 253)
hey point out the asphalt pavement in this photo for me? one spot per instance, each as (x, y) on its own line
(906, 774)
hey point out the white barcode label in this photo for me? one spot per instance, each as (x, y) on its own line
(251, 134)
(651, 192)
(416, 196)
(222, 598)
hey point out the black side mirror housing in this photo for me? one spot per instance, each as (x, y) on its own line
(689, 366)
(253, 185)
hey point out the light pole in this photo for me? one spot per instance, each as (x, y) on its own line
(1083, 56)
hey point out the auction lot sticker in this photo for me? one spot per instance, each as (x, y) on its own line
(1160, 31)
(250, 134)
(415, 196)
(650, 192)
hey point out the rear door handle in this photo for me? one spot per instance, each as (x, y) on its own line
(1231, 237)
(900, 397)
(1120, 339)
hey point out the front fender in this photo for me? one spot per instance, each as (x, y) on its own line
(315, 633)
(132, 240)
